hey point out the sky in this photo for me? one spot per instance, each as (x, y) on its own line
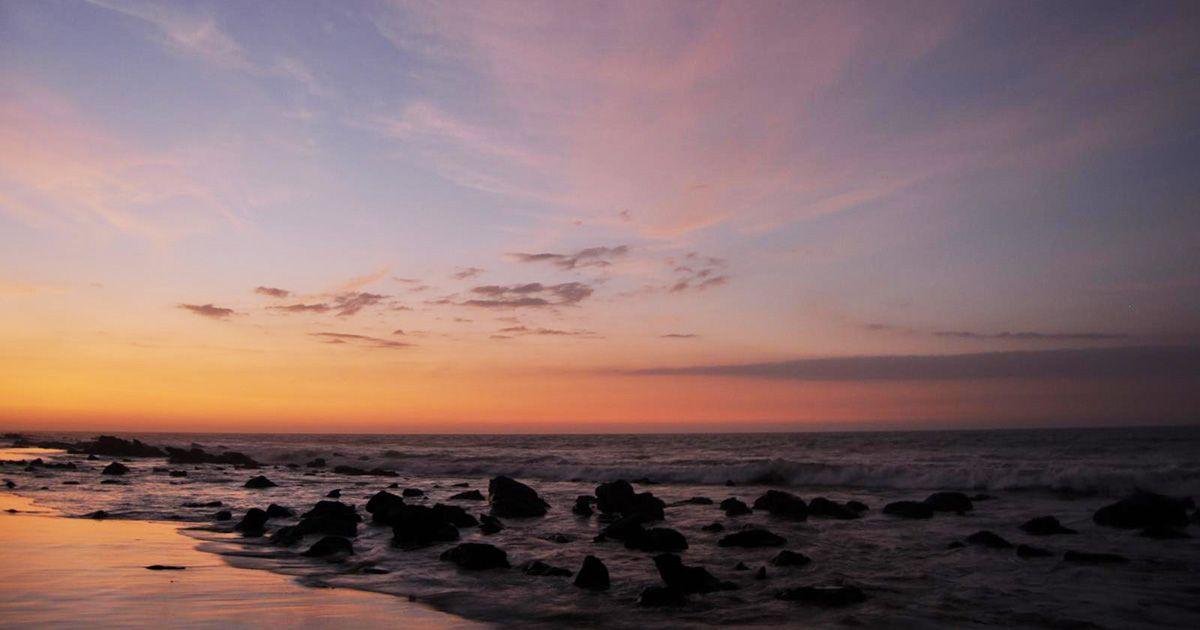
(598, 216)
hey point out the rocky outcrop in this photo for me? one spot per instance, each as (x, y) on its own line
(618, 497)
(469, 495)
(512, 499)
(416, 526)
(253, 522)
(260, 482)
(687, 579)
(592, 575)
(539, 568)
(783, 505)
(199, 456)
(476, 556)
(988, 539)
(330, 546)
(1144, 509)
(949, 502)
(788, 558)
(115, 468)
(656, 539)
(1045, 526)
(908, 509)
(734, 507)
(823, 507)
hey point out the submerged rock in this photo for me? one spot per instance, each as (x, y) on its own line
(654, 596)
(334, 494)
(359, 472)
(223, 515)
(656, 539)
(1084, 557)
(198, 456)
(539, 568)
(908, 509)
(110, 446)
(783, 505)
(489, 524)
(734, 507)
(278, 511)
(252, 523)
(165, 567)
(752, 538)
(821, 506)
(1144, 509)
(469, 495)
(115, 468)
(381, 505)
(1029, 551)
(259, 483)
(476, 556)
(328, 546)
(949, 502)
(511, 498)
(583, 505)
(592, 575)
(787, 558)
(830, 596)
(412, 492)
(1045, 526)
(455, 515)
(988, 539)
(98, 515)
(687, 579)
(334, 509)
(713, 527)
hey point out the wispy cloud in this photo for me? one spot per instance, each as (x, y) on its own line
(302, 308)
(191, 33)
(272, 292)
(534, 294)
(679, 336)
(208, 310)
(467, 272)
(1122, 362)
(589, 257)
(359, 340)
(516, 331)
(1032, 336)
(358, 282)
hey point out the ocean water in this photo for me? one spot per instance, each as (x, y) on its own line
(911, 576)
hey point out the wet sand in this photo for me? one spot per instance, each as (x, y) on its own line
(60, 572)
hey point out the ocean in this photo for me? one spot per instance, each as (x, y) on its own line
(911, 573)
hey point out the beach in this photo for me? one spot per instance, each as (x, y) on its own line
(64, 572)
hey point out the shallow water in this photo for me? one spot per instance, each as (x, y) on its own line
(905, 567)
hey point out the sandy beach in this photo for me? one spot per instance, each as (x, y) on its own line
(66, 572)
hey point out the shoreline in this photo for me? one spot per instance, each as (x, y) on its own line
(59, 572)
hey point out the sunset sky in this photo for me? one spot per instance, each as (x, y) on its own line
(576, 216)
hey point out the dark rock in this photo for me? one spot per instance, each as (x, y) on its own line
(92, 457)
(713, 527)
(278, 511)
(830, 596)
(625, 526)
(253, 522)
(115, 482)
(476, 556)
(110, 446)
(178, 473)
(316, 463)
(908, 509)
(334, 494)
(455, 515)
(393, 486)
(729, 483)
(761, 573)
(461, 484)
(821, 506)
(618, 497)
(957, 544)
(1045, 526)
(198, 456)
(988, 539)
(1161, 532)
(416, 526)
(982, 497)
(115, 468)
(697, 501)
(469, 495)
(787, 558)
(539, 568)
(260, 482)
(381, 505)
(592, 575)
(98, 515)
(489, 524)
(70, 483)
(949, 502)
(752, 538)
(582, 507)
(656, 539)
(1084, 557)
(687, 579)
(734, 507)
(644, 481)
(333, 509)
(741, 566)
(359, 472)
(412, 492)
(328, 546)
(1029, 551)
(327, 525)
(223, 515)
(782, 504)
(512, 499)
(558, 538)
(655, 596)
(165, 567)
(9, 484)
(857, 506)
(1143, 509)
